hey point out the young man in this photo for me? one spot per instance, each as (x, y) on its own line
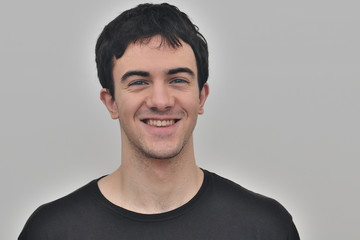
(153, 66)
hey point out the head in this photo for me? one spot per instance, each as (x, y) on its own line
(140, 24)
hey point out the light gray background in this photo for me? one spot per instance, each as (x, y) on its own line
(282, 118)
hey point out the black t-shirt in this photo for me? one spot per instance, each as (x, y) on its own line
(220, 210)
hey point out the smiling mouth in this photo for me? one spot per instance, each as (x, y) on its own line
(160, 123)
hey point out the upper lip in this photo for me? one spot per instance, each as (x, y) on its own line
(160, 118)
(176, 116)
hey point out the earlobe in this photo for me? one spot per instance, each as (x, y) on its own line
(109, 102)
(203, 96)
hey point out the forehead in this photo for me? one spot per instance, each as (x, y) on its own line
(155, 54)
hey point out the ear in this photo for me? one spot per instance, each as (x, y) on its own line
(203, 96)
(109, 102)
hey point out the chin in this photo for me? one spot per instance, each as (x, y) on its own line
(162, 154)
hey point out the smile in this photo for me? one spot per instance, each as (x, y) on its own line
(160, 123)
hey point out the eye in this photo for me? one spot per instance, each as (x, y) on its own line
(138, 83)
(179, 80)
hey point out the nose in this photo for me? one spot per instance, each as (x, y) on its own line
(160, 98)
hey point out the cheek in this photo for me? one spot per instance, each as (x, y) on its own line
(191, 104)
(127, 107)
(127, 112)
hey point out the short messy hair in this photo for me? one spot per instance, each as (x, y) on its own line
(141, 23)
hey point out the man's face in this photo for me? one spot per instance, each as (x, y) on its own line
(156, 98)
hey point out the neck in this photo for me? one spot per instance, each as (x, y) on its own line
(153, 185)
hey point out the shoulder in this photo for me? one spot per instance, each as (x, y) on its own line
(230, 191)
(249, 207)
(50, 217)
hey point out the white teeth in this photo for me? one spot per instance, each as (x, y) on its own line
(160, 123)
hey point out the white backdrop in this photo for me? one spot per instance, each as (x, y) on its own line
(282, 118)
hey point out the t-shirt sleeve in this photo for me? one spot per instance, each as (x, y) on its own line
(293, 233)
(43, 224)
(33, 228)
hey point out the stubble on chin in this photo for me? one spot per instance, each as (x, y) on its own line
(142, 152)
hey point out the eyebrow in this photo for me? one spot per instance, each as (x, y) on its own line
(181, 70)
(147, 74)
(134, 73)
